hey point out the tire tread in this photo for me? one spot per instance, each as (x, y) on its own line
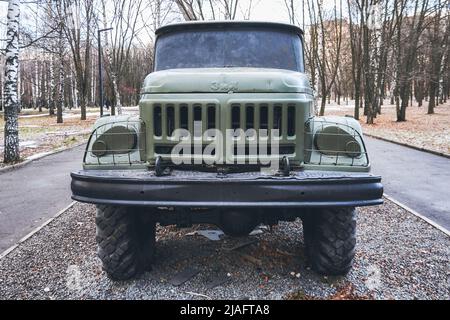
(119, 249)
(330, 239)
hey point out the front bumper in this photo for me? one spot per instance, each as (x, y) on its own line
(208, 190)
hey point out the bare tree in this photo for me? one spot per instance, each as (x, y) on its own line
(125, 17)
(230, 8)
(408, 32)
(160, 11)
(79, 38)
(192, 10)
(438, 38)
(291, 10)
(380, 21)
(325, 47)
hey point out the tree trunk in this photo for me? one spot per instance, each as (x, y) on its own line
(432, 102)
(322, 106)
(93, 92)
(404, 97)
(401, 116)
(2, 81)
(74, 87)
(52, 94)
(419, 92)
(60, 105)
(19, 87)
(82, 100)
(36, 84)
(357, 102)
(117, 94)
(12, 152)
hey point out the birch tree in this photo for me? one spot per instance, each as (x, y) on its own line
(355, 11)
(112, 73)
(11, 107)
(2, 81)
(61, 73)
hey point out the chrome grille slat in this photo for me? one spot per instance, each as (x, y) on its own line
(164, 119)
(177, 117)
(265, 116)
(284, 120)
(249, 115)
(164, 122)
(191, 117)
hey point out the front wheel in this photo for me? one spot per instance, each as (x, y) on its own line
(330, 239)
(126, 241)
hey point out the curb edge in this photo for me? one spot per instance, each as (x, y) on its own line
(44, 155)
(418, 215)
(34, 231)
(436, 153)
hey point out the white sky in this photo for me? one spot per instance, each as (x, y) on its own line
(269, 10)
(262, 10)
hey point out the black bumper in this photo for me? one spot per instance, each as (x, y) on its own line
(188, 189)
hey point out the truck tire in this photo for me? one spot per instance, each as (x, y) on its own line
(238, 223)
(126, 241)
(330, 240)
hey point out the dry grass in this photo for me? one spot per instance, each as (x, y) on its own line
(421, 130)
(40, 134)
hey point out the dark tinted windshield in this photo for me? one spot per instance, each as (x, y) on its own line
(229, 48)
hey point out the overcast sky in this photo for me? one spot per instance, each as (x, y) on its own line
(263, 10)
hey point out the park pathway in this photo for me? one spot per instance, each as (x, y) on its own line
(31, 195)
(417, 179)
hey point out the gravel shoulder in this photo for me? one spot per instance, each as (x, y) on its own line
(399, 256)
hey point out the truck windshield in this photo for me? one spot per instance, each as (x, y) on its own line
(229, 48)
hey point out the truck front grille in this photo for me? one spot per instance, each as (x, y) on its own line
(280, 117)
(169, 117)
(264, 117)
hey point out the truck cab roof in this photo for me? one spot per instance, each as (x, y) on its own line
(214, 25)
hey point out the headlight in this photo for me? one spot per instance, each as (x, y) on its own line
(334, 141)
(117, 140)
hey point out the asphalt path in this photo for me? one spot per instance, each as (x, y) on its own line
(415, 178)
(31, 195)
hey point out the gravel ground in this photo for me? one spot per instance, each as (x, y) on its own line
(398, 257)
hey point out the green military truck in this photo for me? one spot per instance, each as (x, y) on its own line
(226, 135)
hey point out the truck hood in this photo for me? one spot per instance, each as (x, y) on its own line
(226, 80)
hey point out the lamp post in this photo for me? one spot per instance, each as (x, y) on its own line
(100, 69)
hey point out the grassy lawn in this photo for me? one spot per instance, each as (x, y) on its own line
(420, 130)
(40, 133)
